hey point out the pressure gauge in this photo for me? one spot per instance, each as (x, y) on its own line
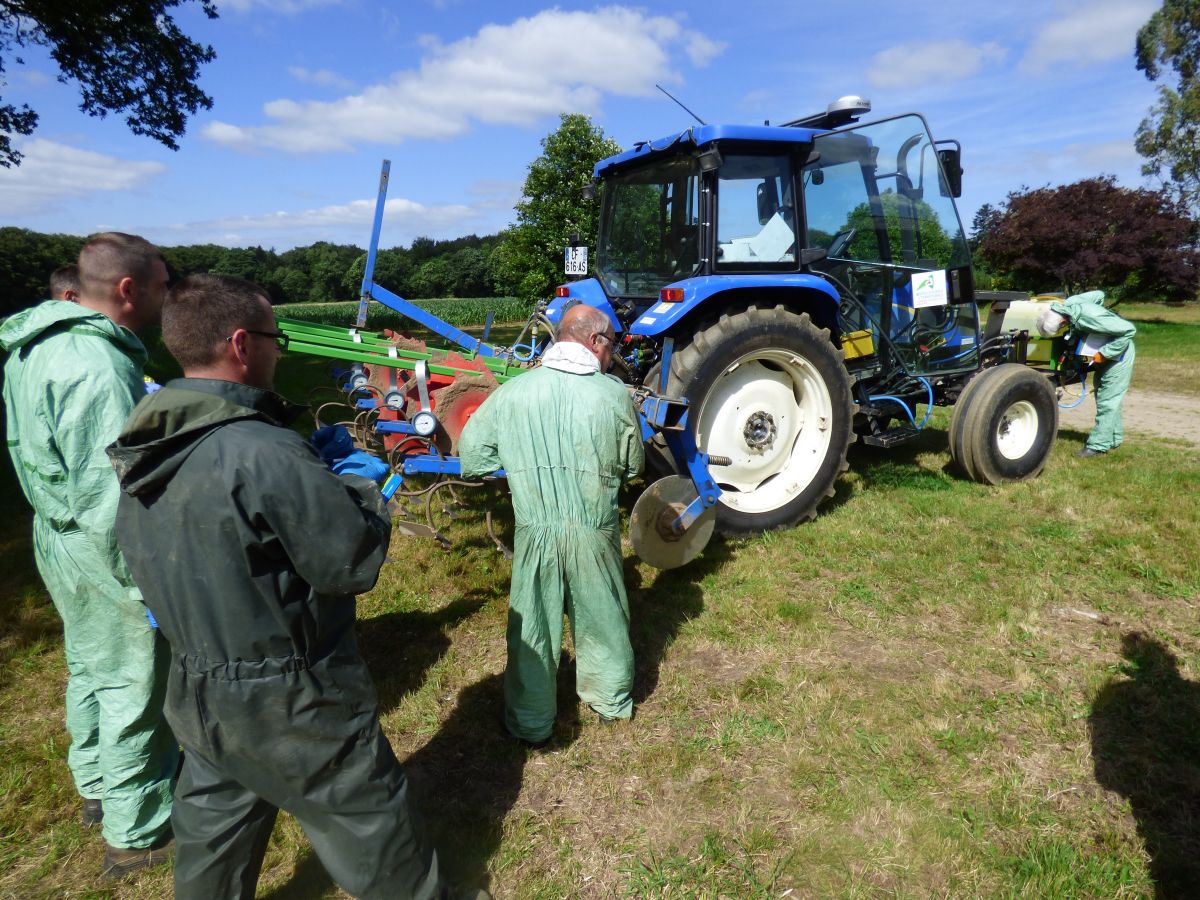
(424, 423)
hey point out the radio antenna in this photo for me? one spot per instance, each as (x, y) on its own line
(684, 108)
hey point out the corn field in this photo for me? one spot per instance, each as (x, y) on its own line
(458, 311)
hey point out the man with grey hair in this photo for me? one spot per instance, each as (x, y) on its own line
(1107, 342)
(73, 376)
(567, 437)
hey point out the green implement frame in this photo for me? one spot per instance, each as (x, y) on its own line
(356, 345)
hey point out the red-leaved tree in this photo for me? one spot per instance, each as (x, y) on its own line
(1093, 233)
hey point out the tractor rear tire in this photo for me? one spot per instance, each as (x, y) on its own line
(1008, 425)
(768, 389)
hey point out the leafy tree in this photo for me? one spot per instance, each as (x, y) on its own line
(1169, 137)
(935, 244)
(26, 260)
(192, 258)
(552, 207)
(327, 267)
(252, 263)
(981, 225)
(1094, 233)
(126, 56)
(393, 268)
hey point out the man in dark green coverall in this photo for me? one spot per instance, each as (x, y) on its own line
(73, 376)
(567, 437)
(250, 551)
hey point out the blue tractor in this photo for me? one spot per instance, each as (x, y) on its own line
(802, 285)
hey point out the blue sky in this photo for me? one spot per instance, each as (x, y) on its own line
(310, 95)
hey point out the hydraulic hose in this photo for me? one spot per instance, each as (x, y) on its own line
(1082, 394)
(904, 406)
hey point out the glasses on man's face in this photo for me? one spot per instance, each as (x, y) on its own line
(281, 339)
(611, 341)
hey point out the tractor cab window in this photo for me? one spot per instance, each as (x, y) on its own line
(650, 227)
(875, 200)
(756, 213)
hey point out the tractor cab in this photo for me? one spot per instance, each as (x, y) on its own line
(855, 225)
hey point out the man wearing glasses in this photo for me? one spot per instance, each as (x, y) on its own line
(567, 438)
(250, 551)
(73, 376)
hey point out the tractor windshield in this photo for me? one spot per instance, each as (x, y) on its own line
(650, 227)
(876, 200)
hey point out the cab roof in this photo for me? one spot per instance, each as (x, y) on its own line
(698, 136)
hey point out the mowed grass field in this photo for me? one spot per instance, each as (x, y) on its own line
(936, 689)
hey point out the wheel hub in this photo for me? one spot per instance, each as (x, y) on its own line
(760, 431)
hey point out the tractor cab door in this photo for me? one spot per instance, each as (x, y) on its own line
(877, 201)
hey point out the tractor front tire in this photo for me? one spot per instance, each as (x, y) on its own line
(1006, 427)
(769, 390)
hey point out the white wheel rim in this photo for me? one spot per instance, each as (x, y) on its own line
(1017, 430)
(770, 412)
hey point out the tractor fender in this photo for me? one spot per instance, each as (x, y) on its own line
(712, 293)
(586, 291)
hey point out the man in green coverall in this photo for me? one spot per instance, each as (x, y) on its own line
(567, 437)
(73, 375)
(1113, 359)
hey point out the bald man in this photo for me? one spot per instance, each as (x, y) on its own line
(567, 436)
(73, 377)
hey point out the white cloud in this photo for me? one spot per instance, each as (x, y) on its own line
(52, 174)
(1095, 32)
(343, 222)
(555, 61)
(924, 62)
(322, 77)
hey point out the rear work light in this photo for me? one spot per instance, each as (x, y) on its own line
(671, 295)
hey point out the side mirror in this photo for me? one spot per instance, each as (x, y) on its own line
(768, 201)
(950, 182)
(589, 191)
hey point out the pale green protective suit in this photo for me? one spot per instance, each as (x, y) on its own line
(1111, 381)
(567, 442)
(71, 380)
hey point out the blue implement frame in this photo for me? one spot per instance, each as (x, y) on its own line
(372, 291)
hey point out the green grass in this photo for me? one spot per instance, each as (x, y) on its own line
(935, 689)
(1166, 343)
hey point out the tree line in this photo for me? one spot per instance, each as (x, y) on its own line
(321, 272)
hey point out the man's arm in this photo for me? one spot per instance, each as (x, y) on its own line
(634, 451)
(334, 529)
(86, 414)
(479, 444)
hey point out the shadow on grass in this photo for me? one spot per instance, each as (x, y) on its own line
(400, 647)
(467, 778)
(659, 610)
(1146, 747)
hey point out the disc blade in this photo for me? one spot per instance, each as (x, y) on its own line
(659, 505)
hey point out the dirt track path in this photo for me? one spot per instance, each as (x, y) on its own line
(1146, 412)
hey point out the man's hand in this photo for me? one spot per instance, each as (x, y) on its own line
(1099, 358)
(333, 442)
(360, 462)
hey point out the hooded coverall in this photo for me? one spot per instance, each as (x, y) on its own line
(566, 442)
(249, 551)
(71, 379)
(1089, 316)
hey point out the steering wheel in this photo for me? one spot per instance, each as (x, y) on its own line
(840, 242)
